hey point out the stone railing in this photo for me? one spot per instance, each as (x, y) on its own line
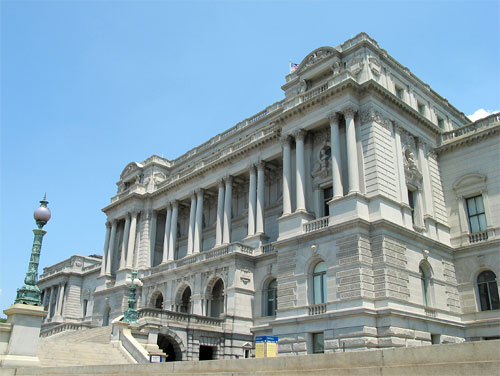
(478, 237)
(472, 127)
(167, 315)
(317, 224)
(316, 309)
(431, 312)
(312, 93)
(74, 264)
(64, 327)
(268, 248)
(207, 255)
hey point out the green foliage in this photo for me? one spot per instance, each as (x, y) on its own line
(3, 319)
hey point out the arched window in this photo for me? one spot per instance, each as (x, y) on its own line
(488, 291)
(159, 301)
(319, 283)
(217, 304)
(271, 297)
(425, 281)
(186, 301)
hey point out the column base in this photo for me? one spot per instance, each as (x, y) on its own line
(292, 224)
(352, 206)
(256, 240)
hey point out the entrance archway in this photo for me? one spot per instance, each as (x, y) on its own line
(170, 347)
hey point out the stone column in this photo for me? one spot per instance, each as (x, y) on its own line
(260, 198)
(424, 167)
(287, 176)
(252, 201)
(131, 239)
(403, 190)
(49, 290)
(352, 150)
(338, 189)
(60, 297)
(198, 233)
(173, 231)
(192, 218)
(226, 238)
(299, 144)
(220, 214)
(111, 249)
(52, 298)
(166, 236)
(126, 234)
(152, 236)
(105, 250)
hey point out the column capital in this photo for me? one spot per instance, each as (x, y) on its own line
(333, 117)
(200, 191)
(260, 165)
(349, 111)
(175, 204)
(300, 134)
(113, 221)
(193, 195)
(285, 140)
(251, 167)
(108, 224)
(220, 183)
(228, 179)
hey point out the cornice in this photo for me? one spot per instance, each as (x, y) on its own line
(469, 138)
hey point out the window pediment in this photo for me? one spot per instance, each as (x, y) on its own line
(470, 184)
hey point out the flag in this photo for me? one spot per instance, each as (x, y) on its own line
(293, 66)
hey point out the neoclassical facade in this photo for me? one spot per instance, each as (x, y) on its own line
(360, 211)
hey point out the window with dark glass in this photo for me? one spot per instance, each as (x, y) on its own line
(217, 305)
(319, 283)
(318, 343)
(475, 211)
(411, 202)
(271, 298)
(425, 282)
(488, 291)
(186, 301)
(327, 197)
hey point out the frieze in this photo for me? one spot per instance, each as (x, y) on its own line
(372, 115)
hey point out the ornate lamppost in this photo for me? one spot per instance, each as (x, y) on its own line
(30, 293)
(132, 282)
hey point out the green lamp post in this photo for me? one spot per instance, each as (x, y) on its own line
(133, 282)
(30, 293)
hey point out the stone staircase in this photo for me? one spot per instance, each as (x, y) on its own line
(80, 348)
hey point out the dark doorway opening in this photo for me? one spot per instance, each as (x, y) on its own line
(167, 345)
(206, 352)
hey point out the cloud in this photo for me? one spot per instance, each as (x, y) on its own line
(481, 113)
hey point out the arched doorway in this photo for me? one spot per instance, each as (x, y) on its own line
(185, 306)
(105, 316)
(217, 304)
(158, 301)
(170, 347)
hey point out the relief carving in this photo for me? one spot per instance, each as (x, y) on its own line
(372, 115)
(355, 65)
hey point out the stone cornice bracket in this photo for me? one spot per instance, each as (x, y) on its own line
(333, 117)
(300, 134)
(349, 111)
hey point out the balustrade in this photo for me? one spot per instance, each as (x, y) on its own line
(187, 318)
(478, 237)
(317, 224)
(495, 118)
(317, 309)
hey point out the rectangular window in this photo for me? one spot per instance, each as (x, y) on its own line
(399, 92)
(440, 122)
(318, 343)
(475, 211)
(327, 197)
(411, 202)
(421, 108)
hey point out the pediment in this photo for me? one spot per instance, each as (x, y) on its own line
(316, 56)
(131, 167)
(469, 180)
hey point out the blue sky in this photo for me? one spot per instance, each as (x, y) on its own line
(87, 87)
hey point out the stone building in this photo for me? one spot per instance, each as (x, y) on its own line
(360, 211)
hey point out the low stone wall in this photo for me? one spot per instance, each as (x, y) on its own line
(472, 358)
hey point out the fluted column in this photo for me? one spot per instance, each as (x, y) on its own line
(352, 150)
(166, 236)
(173, 231)
(192, 222)
(198, 233)
(126, 233)
(152, 237)
(338, 188)
(49, 301)
(427, 189)
(287, 176)
(260, 198)
(252, 197)
(226, 238)
(60, 297)
(131, 239)
(220, 214)
(299, 145)
(105, 250)
(52, 298)
(111, 249)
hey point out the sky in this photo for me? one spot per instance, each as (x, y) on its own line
(88, 86)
